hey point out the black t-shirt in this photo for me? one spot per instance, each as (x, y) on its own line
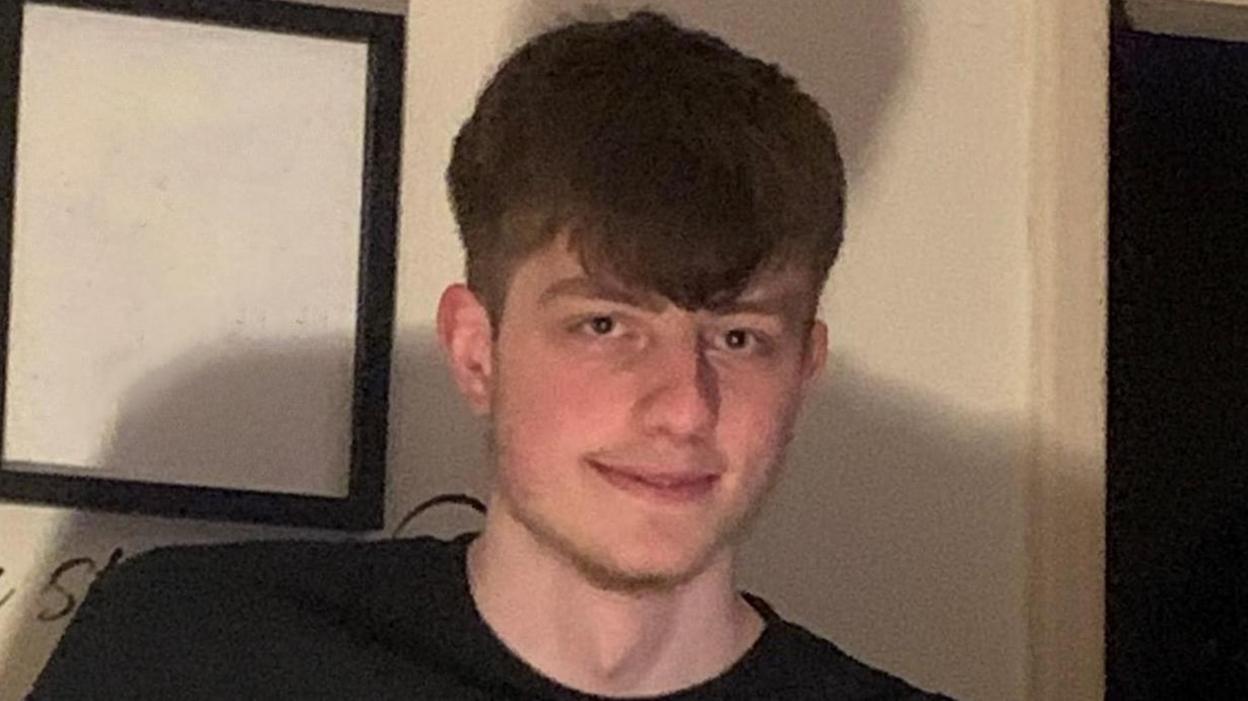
(379, 620)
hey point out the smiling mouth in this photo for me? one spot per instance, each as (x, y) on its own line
(665, 488)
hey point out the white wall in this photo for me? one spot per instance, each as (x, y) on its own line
(899, 532)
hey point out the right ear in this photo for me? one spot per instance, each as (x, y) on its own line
(465, 335)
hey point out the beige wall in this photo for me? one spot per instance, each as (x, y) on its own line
(901, 530)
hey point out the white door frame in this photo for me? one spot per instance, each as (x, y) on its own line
(1068, 221)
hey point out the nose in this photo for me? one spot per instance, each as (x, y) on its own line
(681, 397)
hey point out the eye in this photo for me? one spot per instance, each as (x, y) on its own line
(599, 329)
(600, 325)
(743, 341)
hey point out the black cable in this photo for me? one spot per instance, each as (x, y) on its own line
(462, 499)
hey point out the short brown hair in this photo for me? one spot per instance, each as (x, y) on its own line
(677, 164)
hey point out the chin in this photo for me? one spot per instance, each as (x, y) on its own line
(625, 565)
(642, 567)
(637, 578)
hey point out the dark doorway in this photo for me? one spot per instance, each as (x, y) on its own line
(1177, 579)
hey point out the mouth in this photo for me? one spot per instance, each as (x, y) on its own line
(663, 487)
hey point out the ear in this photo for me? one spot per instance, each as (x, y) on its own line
(816, 356)
(464, 333)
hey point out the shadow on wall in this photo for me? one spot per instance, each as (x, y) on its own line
(300, 418)
(894, 532)
(850, 54)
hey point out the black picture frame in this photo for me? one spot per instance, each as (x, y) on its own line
(362, 506)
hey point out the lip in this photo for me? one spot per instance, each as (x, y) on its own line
(663, 487)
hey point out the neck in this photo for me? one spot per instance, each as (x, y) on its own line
(605, 642)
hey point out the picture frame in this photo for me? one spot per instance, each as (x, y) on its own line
(198, 204)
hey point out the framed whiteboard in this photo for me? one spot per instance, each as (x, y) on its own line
(197, 229)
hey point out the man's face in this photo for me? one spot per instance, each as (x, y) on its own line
(636, 438)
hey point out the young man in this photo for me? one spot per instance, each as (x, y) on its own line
(649, 218)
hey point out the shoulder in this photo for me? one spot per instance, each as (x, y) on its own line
(244, 554)
(178, 615)
(254, 560)
(245, 565)
(817, 668)
(184, 578)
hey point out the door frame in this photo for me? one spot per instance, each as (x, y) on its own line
(1068, 221)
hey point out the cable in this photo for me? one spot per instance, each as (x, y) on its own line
(462, 499)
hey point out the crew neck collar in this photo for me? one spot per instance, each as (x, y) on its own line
(507, 666)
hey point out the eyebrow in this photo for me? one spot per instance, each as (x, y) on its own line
(782, 305)
(587, 288)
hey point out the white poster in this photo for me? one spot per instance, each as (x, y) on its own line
(185, 250)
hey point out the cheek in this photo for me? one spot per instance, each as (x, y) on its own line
(548, 407)
(756, 420)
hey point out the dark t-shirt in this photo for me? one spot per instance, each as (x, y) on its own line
(379, 620)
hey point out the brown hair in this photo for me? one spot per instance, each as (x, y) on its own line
(677, 164)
